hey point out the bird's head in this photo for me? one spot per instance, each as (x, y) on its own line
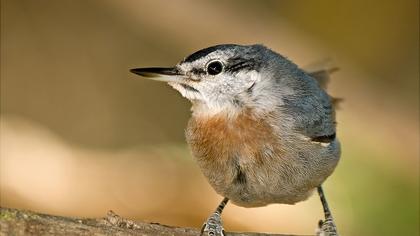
(219, 78)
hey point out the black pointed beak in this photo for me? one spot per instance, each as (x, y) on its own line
(159, 73)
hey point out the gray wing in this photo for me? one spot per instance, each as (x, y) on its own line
(311, 109)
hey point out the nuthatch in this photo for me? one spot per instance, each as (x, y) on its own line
(262, 130)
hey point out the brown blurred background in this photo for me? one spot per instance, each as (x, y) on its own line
(81, 135)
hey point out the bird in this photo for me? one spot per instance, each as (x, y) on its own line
(262, 130)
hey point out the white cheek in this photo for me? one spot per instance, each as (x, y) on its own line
(249, 76)
(222, 88)
(245, 80)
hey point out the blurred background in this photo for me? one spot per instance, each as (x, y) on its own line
(80, 135)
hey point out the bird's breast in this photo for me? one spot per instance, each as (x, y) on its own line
(234, 153)
(220, 138)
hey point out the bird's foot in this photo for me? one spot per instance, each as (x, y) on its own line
(326, 228)
(213, 226)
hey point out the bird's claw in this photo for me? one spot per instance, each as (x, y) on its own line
(326, 228)
(213, 226)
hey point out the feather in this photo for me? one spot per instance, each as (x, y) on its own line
(321, 71)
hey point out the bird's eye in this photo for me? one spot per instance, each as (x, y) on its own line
(214, 68)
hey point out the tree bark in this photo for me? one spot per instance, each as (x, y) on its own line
(23, 222)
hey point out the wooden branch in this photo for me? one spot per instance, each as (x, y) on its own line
(22, 222)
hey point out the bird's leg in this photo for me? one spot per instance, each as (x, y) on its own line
(213, 225)
(326, 227)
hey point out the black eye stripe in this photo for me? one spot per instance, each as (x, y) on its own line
(237, 64)
(198, 71)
